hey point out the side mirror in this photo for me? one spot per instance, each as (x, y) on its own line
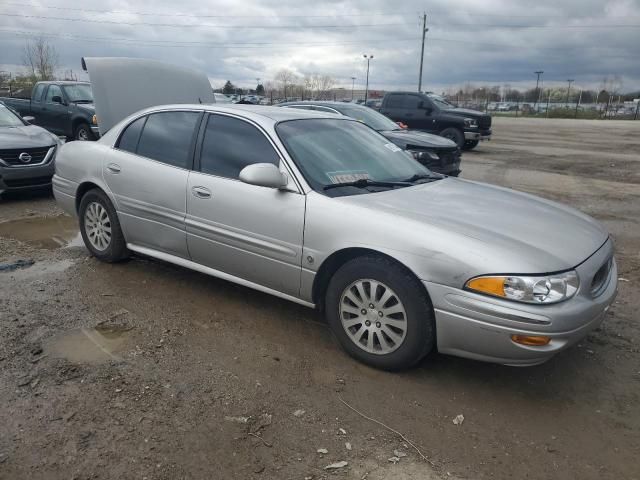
(28, 119)
(56, 99)
(263, 175)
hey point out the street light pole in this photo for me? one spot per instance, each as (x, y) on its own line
(366, 88)
(535, 105)
(569, 81)
(353, 82)
(424, 32)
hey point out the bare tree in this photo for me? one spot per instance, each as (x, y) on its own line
(40, 58)
(285, 78)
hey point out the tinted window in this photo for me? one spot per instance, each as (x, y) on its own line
(129, 138)
(37, 94)
(395, 101)
(411, 102)
(167, 136)
(230, 145)
(53, 91)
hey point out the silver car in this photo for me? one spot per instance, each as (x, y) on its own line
(324, 211)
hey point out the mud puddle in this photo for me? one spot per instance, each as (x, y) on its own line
(89, 345)
(45, 233)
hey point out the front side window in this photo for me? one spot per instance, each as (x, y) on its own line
(331, 151)
(412, 102)
(53, 91)
(167, 137)
(230, 144)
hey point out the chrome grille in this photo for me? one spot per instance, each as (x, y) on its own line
(30, 156)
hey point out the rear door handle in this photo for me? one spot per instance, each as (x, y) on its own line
(201, 192)
(113, 168)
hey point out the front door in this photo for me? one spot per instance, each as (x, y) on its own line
(54, 115)
(251, 232)
(147, 172)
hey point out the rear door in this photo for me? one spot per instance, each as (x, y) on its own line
(250, 232)
(394, 107)
(147, 172)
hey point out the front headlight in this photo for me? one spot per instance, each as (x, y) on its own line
(424, 154)
(539, 289)
(94, 120)
(470, 123)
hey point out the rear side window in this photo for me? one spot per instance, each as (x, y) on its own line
(37, 93)
(230, 144)
(167, 137)
(395, 101)
(131, 135)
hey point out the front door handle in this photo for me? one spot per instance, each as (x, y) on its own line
(201, 192)
(113, 168)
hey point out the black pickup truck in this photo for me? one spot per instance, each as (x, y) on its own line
(431, 113)
(62, 107)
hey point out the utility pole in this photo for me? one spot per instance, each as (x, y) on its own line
(366, 88)
(353, 82)
(538, 73)
(424, 32)
(569, 81)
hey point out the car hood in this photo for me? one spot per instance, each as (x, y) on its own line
(89, 107)
(465, 112)
(514, 231)
(27, 136)
(122, 86)
(418, 139)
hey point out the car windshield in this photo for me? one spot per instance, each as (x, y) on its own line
(441, 102)
(78, 93)
(8, 118)
(332, 151)
(369, 117)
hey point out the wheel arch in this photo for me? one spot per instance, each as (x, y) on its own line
(338, 258)
(83, 188)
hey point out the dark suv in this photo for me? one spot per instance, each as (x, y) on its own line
(431, 113)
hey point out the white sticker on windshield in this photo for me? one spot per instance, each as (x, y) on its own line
(393, 147)
(342, 177)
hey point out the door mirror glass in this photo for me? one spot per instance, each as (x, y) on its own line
(28, 118)
(56, 99)
(263, 175)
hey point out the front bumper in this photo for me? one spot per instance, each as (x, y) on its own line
(96, 131)
(478, 134)
(480, 327)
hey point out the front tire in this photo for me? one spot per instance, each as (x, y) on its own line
(454, 134)
(470, 144)
(100, 228)
(380, 313)
(83, 132)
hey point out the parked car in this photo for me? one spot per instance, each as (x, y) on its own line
(64, 108)
(432, 113)
(319, 209)
(436, 153)
(27, 153)
(221, 98)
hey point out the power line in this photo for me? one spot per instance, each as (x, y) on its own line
(278, 15)
(269, 27)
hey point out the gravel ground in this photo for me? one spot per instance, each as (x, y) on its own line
(146, 370)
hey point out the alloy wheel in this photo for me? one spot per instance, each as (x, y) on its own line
(373, 316)
(97, 225)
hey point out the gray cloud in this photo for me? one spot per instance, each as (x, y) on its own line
(467, 41)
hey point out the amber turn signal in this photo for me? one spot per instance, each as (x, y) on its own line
(490, 285)
(531, 340)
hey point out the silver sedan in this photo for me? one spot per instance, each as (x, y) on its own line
(326, 212)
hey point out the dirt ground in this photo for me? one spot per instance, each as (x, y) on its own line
(149, 371)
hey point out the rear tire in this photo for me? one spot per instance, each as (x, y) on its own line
(470, 144)
(401, 328)
(83, 132)
(100, 227)
(453, 134)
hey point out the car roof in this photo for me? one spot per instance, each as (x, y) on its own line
(63, 82)
(324, 103)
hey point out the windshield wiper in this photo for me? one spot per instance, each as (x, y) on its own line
(365, 182)
(423, 176)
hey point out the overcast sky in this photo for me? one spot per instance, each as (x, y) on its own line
(487, 42)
